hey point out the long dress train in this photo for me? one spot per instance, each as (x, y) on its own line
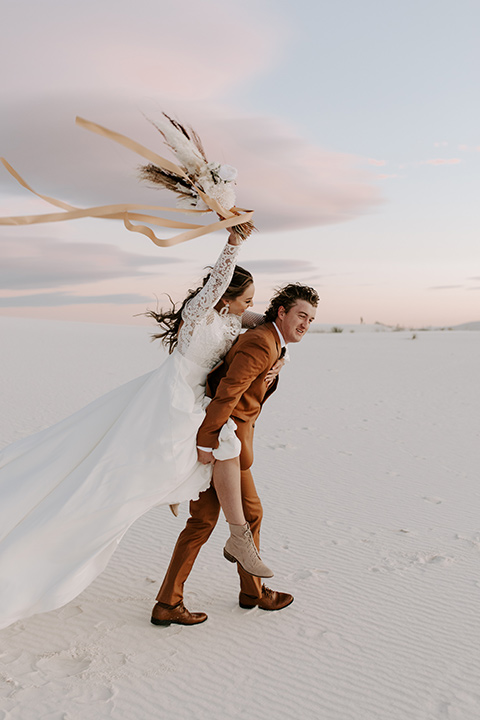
(70, 492)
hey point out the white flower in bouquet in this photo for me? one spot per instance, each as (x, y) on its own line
(222, 173)
(227, 173)
(212, 183)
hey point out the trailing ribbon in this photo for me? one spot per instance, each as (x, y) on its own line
(123, 211)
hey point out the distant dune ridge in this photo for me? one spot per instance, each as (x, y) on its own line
(382, 327)
(367, 462)
(468, 326)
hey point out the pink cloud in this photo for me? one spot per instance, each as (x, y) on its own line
(289, 182)
(442, 161)
(378, 163)
(179, 50)
(45, 262)
(468, 148)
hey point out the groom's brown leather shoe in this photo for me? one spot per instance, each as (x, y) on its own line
(178, 615)
(270, 600)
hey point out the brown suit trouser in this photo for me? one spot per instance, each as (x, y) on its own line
(204, 514)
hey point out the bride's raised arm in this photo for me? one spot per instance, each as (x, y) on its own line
(219, 280)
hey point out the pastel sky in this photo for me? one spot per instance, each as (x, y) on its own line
(355, 128)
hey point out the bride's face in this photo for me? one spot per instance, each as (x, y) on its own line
(243, 301)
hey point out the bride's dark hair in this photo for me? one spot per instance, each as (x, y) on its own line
(170, 320)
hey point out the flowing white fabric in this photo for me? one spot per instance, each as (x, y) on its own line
(70, 492)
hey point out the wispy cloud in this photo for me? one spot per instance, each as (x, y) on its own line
(441, 161)
(445, 287)
(378, 163)
(288, 181)
(59, 299)
(273, 267)
(28, 263)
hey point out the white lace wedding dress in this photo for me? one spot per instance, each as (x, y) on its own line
(70, 492)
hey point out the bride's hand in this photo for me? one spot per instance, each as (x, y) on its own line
(206, 458)
(272, 374)
(234, 239)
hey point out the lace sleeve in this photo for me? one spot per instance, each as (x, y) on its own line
(219, 280)
(251, 319)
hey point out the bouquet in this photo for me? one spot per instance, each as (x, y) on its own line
(200, 177)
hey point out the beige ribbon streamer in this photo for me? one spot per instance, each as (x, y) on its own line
(123, 211)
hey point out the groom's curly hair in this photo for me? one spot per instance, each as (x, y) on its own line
(287, 296)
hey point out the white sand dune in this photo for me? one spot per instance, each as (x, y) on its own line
(367, 462)
(468, 326)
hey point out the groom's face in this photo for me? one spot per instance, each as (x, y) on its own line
(294, 324)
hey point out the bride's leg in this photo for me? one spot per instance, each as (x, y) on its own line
(240, 546)
(226, 480)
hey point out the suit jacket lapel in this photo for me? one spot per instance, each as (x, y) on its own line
(271, 328)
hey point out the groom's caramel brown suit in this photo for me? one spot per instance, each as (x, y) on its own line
(239, 390)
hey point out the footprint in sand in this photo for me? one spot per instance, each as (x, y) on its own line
(70, 611)
(407, 562)
(461, 704)
(312, 634)
(281, 446)
(434, 500)
(305, 574)
(59, 666)
(8, 686)
(473, 541)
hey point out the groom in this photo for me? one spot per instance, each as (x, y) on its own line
(239, 390)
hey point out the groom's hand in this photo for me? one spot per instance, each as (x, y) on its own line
(206, 458)
(272, 374)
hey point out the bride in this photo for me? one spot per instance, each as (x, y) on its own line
(70, 492)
